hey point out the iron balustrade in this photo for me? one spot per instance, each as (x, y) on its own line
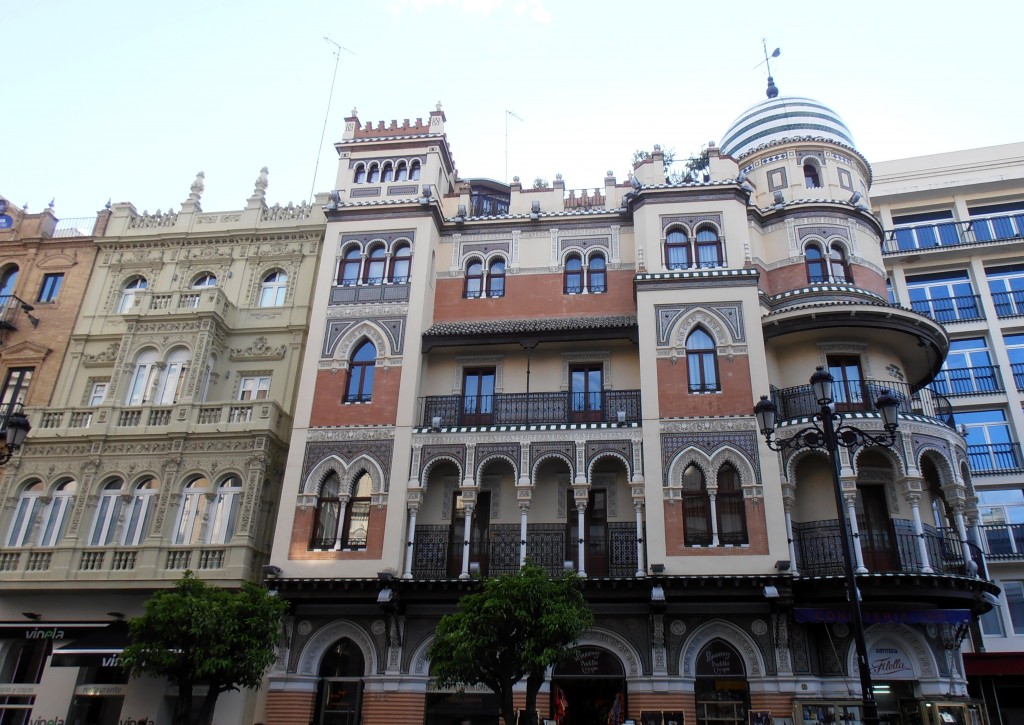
(978, 230)
(976, 380)
(990, 459)
(10, 306)
(962, 308)
(819, 549)
(860, 396)
(1003, 542)
(1009, 304)
(528, 408)
(1018, 374)
(828, 279)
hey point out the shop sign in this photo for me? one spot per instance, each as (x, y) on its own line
(719, 660)
(6, 222)
(8, 690)
(889, 663)
(102, 690)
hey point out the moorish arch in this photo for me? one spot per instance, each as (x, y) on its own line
(891, 456)
(683, 459)
(746, 648)
(706, 319)
(353, 336)
(494, 458)
(548, 456)
(739, 460)
(903, 639)
(615, 643)
(604, 457)
(345, 472)
(323, 639)
(427, 467)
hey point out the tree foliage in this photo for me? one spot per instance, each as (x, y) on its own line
(540, 183)
(198, 634)
(515, 626)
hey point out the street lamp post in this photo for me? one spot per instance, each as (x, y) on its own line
(15, 427)
(828, 433)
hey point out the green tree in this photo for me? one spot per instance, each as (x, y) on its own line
(515, 626)
(198, 634)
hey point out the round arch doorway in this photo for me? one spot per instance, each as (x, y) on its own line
(340, 688)
(589, 690)
(721, 690)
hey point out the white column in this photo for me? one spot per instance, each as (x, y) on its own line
(467, 528)
(851, 513)
(922, 549)
(792, 542)
(410, 538)
(972, 567)
(714, 519)
(582, 540)
(524, 509)
(641, 565)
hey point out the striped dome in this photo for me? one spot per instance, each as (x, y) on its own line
(783, 117)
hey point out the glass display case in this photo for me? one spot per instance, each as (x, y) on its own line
(827, 712)
(952, 712)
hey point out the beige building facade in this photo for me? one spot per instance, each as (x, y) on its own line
(500, 374)
(161, 449)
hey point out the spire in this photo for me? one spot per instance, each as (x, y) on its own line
(772, 90)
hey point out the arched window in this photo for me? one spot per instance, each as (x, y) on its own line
(25, 511)
(273, 289)
(701, 362)
(144, 378)
(328, 513)
(348, 271)
(811, 178)
(709, 249)
(204, 280)
(172, 377)
(139, 512)
(134, 286)
(677, 250)
(496, 278)
(838, 268)
(224, 516)
(732, 517)
(414, 171)
(357, 514)
(104, 528)
(55, 515)
(374, 271)
(360, 374)
(815, 264)
(374, 175)
(389, 173)
(696, 508)
(360, 177)
(597, 274)
(402, 171)
(474, 279)
(190, 516)
(7, 280)
(401, 260)
(573, 275)
(220, 519)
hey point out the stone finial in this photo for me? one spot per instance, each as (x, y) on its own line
(262, 182)
(355, 111)
(195, 192)
(52, 203)
(438, 106)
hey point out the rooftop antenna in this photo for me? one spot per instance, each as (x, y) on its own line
(327, 113)
(772, 90)
(507, 114)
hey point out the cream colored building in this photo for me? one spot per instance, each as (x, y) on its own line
(499, 374)
(162, 448)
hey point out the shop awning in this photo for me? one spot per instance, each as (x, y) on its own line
(993, 663)
(100, 648)
(913, 616)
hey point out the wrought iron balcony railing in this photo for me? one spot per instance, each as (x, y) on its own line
(951, 234)
(977, 380)
(1018, 374)
(860, 396)
(993, 459)
(1009, 304)
(962, 308)
(1003, 542)
(445, 411)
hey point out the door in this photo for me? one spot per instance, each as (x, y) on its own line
(479, 533)
(478, 397)
(586, 393)
(848, 383)
(339, 703)
(595, 525)
(876, 536)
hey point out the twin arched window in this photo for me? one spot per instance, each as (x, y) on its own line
(360, 374)
(701, 362)
(48, 519)
(342, 519)
(205, 519)
(274, 289)
(706, 249)
(819, 269)
(580, 278)
(122, 517)
(377, 268)
(718, 519)
(491, 284)
(158, 381)
(376, 173)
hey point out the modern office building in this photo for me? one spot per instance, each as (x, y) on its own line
(499, 374)
(162, 445)
(954, 233)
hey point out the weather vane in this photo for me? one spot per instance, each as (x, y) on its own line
(772, 90)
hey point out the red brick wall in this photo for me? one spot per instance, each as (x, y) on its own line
(290, 708)
(302, 534)
(757, 533)
(794, 276)
(328, 410)
(735, 397)
(392, 708)
(663, 701)
(535, 295)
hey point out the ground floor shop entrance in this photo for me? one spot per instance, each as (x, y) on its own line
(721, 691)
(591, 690)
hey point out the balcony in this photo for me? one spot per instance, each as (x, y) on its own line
(10, 306)
(1018, 375)
(435, 556)
(530, 408)
(1009, 304)
(978, 230)
(1003, 542)
(819, 549)
(958, 382)
(963, 308)
(994, 459)
(860, 396)
(149, 303)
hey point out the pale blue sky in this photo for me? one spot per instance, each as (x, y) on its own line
(128, 100)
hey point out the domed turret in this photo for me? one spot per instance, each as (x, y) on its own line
(783, 117)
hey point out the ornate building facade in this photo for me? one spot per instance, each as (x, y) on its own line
(160, 450)
(499, 374)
